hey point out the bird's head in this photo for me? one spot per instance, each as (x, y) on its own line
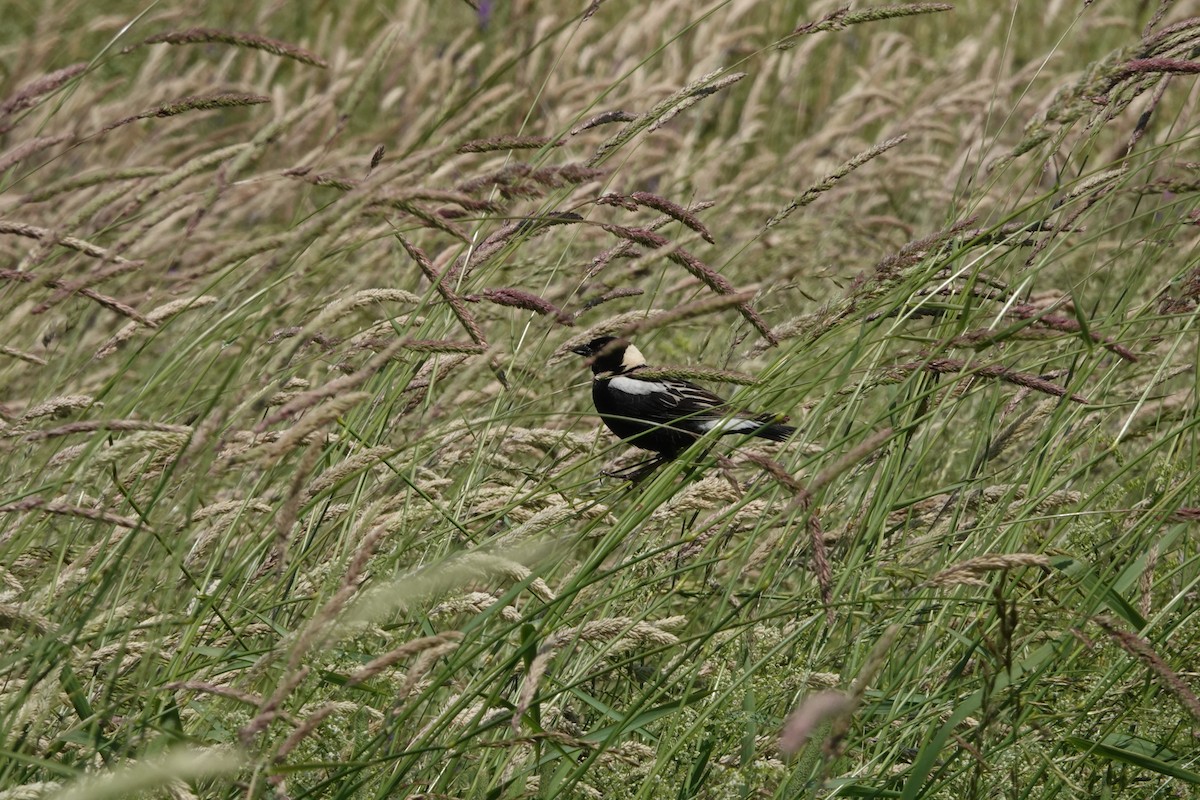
(610, 354)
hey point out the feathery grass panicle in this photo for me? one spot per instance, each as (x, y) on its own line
(704, 495)
(65, 291)
(619, 200)
(353, 465)
(320, 178)
(152, 320)
(17, 618)
(363, 298)
(269, 134)
(516, 298)
(331, 390)
(698, 374)
(269, 709)
(406, 650)
(832, 179)
(403, 197)
(912, 253)
(376, 157)
(693, 97)
(1176, 37)
(231, 506)
(611, 630)
(1167, 65)
(1068, 325)
(968, 572)
(666, 109)
(185, 171)
(29, 148)
(136, 777)
(843, 18)
(816, 710)
(674, 211)
(62, 286)
(108, 425)
(444, 289)
(875, 661)
(473, 603)
(21, 355)
(350, 98)
(421, 586)
(611, 294)
(430, 219)
(289, 512)
(59, 406)
(504, 177)
(492, 564)
(154, 445)
(320, 629)
(31, 93)
(183, 105)
(624, 248)
(710, 277)
(803, 501)
(950, 366)
(608, 327)
(493, 143)
(1144, 651)
(868, 448)
(696, 308)
(433, 369)
(70, 242)
(603, 118)
(230, 692)
(476, 257)
(642, 236)
(1020, 428)
(1007, 495)
(250, 40)
(1185, 514)
(1099, 90)
(317, 417)
(541, 521)
(306, 729)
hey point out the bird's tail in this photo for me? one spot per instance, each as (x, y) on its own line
(775, 432)
(773, 429)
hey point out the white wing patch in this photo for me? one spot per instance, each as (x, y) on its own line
(633, 386)
(733, 425)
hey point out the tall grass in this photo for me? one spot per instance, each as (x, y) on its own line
(303, 496)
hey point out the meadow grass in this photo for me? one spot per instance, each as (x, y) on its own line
(302, 494)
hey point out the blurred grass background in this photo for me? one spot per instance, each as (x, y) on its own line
(301, 495)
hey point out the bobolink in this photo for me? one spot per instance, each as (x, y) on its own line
(662, 415)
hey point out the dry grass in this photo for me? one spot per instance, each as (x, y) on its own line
(299, 484)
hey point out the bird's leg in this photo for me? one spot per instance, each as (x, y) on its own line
(647, 470)
(635, 473)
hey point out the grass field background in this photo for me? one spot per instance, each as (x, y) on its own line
(302, 494)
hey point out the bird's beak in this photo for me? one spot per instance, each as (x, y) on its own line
(581, 350)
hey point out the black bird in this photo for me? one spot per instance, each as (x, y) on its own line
(663, 415)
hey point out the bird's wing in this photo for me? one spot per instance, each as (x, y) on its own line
(683, 405)
(667, 400)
